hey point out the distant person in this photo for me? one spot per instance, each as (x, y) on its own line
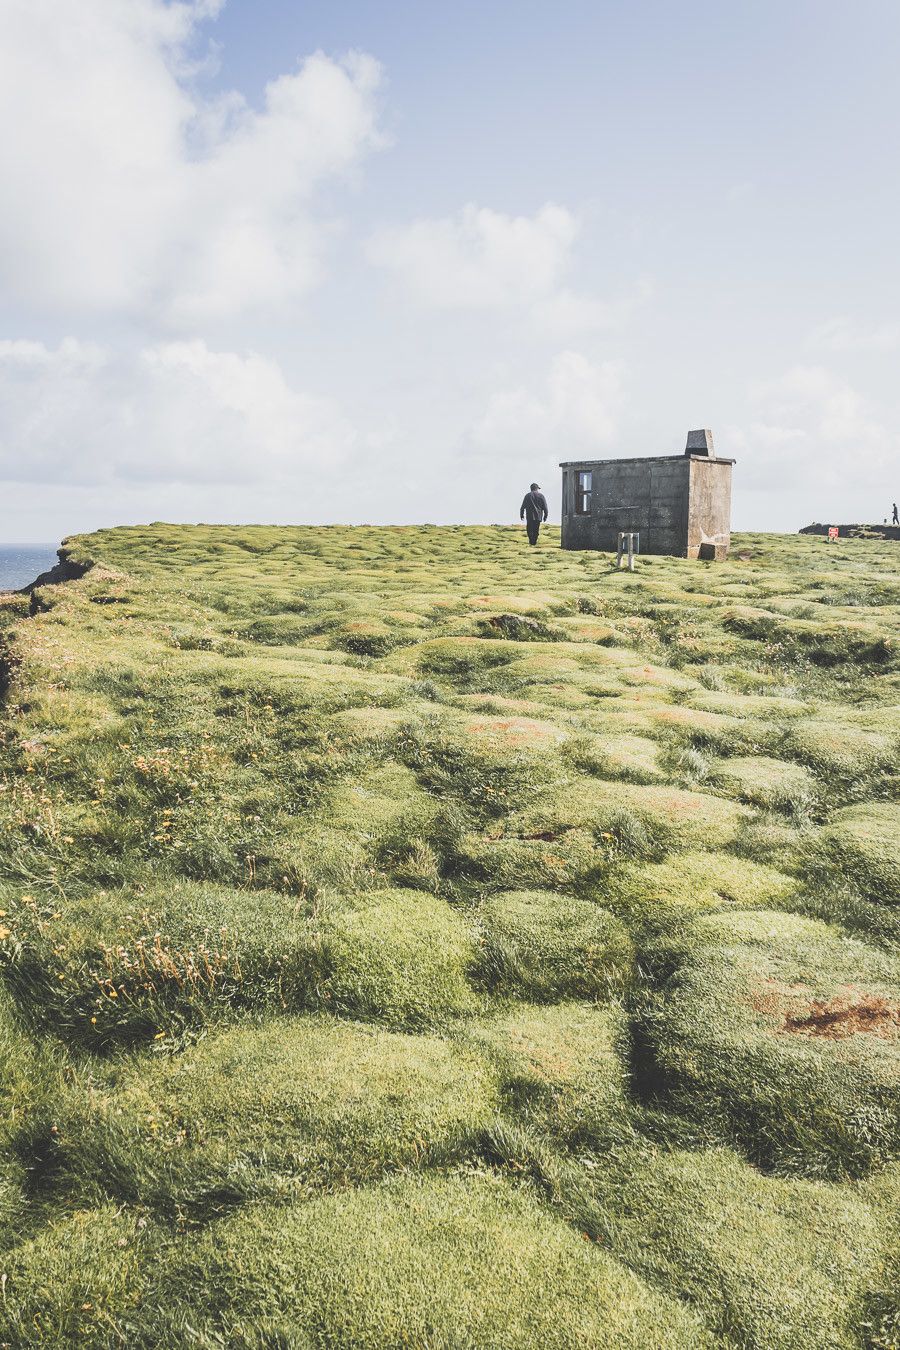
(533, 511)
(896, 519)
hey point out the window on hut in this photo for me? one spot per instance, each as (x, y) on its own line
(583, 492)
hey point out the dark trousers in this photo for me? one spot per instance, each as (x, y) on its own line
(533, 527)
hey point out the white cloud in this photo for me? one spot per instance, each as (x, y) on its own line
(815, 401)
(844, 335)
(171, 412)
(812, 429)
(575, 413)
(126, 191)
(479, 259)
(566, 313)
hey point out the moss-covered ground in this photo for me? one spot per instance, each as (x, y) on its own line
(410, 938)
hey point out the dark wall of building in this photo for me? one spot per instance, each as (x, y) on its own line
(648, 495)
(674, 501)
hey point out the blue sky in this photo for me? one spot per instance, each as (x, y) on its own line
(357, 261)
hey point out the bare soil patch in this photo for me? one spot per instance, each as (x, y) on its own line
(848, 1012)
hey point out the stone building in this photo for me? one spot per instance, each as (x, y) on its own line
(679, 504)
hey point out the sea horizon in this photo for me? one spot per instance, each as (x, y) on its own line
(22, 563)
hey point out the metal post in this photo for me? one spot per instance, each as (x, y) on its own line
(629, 545)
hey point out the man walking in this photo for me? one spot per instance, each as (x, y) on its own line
(896, 520)
(533, 511)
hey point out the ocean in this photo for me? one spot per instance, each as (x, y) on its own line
(21, 563)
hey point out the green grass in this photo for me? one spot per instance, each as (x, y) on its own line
(124, 966)
(281, 1112)
(652, 819)
(766, 782)
(399, 957)
(842, 747)
(545, 947)
(860, 843)
(445, 1261)
(412, 938)
(79, 1281)
(773, 1263)
(565, 1061)
(784, 1035)
(661, 894)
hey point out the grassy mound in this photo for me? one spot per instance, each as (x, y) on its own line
(649, 818)
(822, 644)
(765, 782)
(785, 1036)
(386, 815)
(380, 805)
(444, 1262)
(568, 1059)
(259, 1110)
(547, 946)
(695, 882)
(772, 1263)
(399, 957)
(121, 966)
(80, 1281)
(860, 844)
(537, 859)
(634, 758)
(752, 706)
(834, 746)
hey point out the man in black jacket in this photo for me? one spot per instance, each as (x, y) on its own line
(533, 511)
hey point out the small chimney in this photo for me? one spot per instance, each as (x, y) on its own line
(700, 443)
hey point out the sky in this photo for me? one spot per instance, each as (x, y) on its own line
(392, 260)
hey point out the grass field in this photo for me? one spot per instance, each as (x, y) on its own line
(410, 938)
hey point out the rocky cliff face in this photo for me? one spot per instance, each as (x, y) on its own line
(65, 570)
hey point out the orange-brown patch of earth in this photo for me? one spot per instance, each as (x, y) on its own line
(849, 1012)
(515, 730)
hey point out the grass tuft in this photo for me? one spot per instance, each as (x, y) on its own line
(783, 1035)
(545, 947)
(271, 1111)
(440, 1261)
(398, 957)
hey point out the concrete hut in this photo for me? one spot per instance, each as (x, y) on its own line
(679, 504)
